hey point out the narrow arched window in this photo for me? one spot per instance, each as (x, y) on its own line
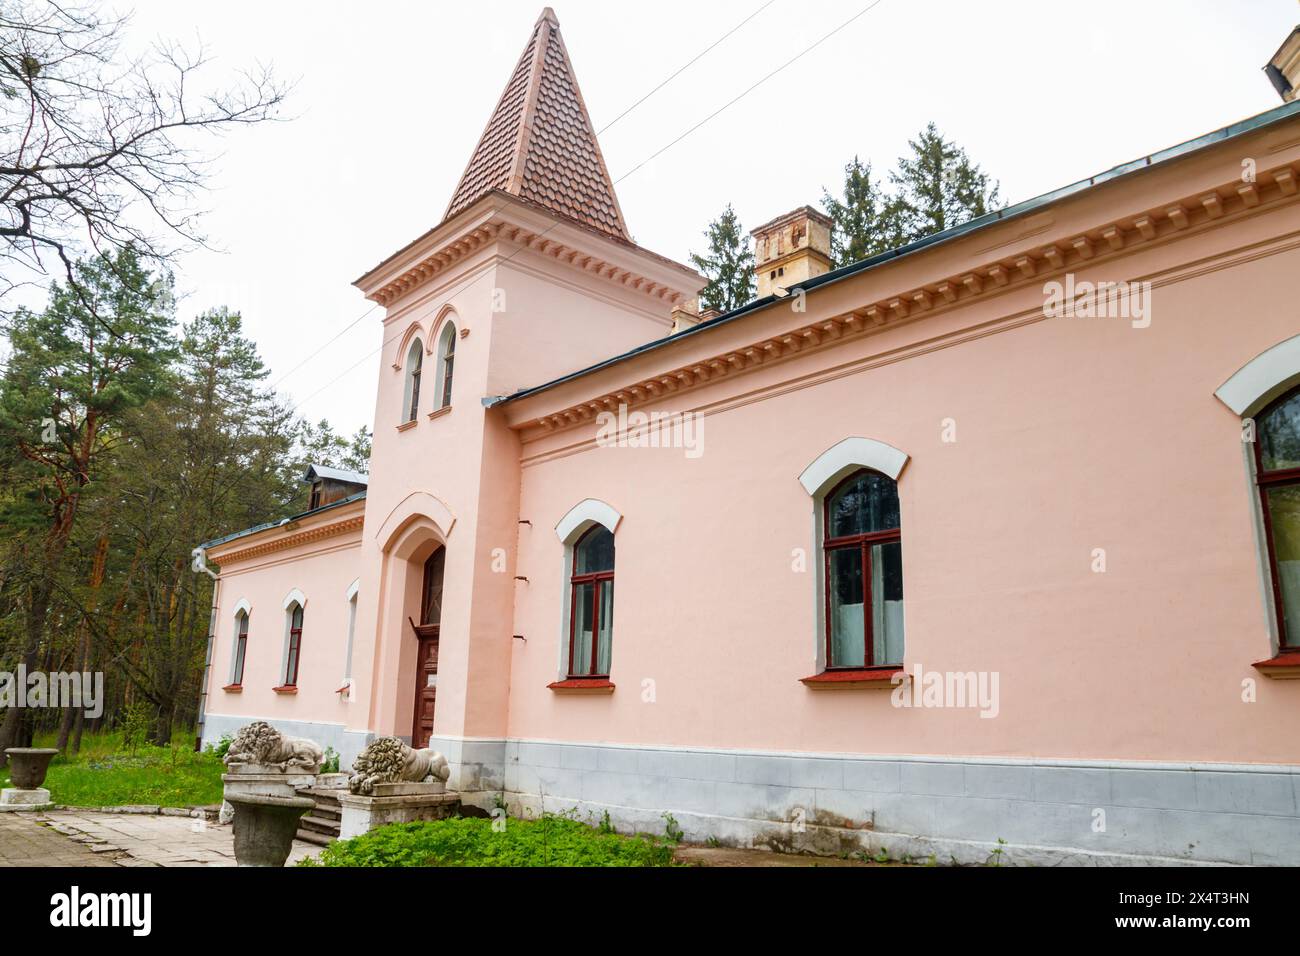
(241, 649)
(352, 633)
(446, 363)
(1277, 472)
(294, 654)
(591, 618)
(411, 397)
(863, 569)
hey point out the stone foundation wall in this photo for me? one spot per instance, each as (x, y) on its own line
(1046, 812)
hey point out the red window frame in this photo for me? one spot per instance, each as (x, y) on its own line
(295, 647)
(864, 543)
(1265, 481)
(241, 649)
(576, 580)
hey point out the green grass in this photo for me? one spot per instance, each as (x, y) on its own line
(472, 841)
(106, 774)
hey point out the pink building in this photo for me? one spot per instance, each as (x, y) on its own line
(996, 536)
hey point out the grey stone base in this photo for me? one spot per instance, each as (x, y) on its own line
(361, 814)
(954, 809)
(18, 798)
(474, 764)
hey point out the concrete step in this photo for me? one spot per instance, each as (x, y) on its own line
(319, 825)
(319, 839)
(322, 793)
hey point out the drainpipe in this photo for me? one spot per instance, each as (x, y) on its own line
(200, 564)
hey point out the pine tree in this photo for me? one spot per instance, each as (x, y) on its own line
(937, 187)
(100, 349)
(729, 265)
(861, 226)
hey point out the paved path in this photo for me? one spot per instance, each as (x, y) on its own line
(24, 842)
(94, 838)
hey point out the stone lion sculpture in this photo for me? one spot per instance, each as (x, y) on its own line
(260, 743)
(388, 760)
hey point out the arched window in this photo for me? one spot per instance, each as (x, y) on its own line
(352, 632)
(294, 652)
(241, 649)
(591, 617)
(863, 570)
(1277, 472)
(446, 364)
(411, 397)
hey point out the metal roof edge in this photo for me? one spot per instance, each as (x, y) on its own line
(1250, 124)
(268, 525)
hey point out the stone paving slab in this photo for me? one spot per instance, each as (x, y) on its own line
(93, 838)
(25, 842)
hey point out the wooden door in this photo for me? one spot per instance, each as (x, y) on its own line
(426, 684)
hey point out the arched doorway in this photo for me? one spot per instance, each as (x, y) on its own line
(426, 658)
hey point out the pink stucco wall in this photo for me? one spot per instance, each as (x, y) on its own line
(322, 572)
(1072, 435)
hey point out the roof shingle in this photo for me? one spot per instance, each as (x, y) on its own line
(540, 145)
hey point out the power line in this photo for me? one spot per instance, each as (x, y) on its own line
(326, 345)
(732, 102)
(685, 67)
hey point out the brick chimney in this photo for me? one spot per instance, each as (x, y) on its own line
(1283, 70)
(791, 248)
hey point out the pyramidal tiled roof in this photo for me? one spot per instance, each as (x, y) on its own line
(539, 144)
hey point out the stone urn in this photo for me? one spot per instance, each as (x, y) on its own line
(27, 765)
(265, 827)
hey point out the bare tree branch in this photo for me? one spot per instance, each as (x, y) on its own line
(99, 149)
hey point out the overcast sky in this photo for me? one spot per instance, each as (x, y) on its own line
(391, 98)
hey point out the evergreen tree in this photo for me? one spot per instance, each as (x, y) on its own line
(937, 187)
(729, 265)
(100, 349)
(861, 226)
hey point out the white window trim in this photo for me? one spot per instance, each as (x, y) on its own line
(446, 334)
(351, 598)
(582, 516)
(294, 597)
(850, 455)
(819, 479)
(577, 522)
(1263, 378)
(408, 379)
(1247, 391)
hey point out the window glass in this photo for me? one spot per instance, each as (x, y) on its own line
(1283, 504)
(867, 503)
(887, 603)
(583, 619)
(1279, 435)
(595, 552)
(848, 635)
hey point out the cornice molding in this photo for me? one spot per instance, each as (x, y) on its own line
(1107, 241)
(308, 536)
(540, 241)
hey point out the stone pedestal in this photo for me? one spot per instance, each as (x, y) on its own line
(331, 781)
(265, 827)
(18, 798)
(394, 803)
(262, 780)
